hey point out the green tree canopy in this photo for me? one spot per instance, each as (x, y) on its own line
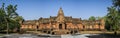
(113, 18)
(9, 17)
(92, 18)
(116, 3)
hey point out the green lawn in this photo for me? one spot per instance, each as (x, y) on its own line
(98, 32)
(2, 34)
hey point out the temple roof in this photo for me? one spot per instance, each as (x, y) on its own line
(60, 12)
(60, 16)
(31, 22)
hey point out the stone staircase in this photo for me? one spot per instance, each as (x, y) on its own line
(59, 32)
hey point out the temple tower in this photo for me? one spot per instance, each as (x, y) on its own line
(60, 19)
(60, 16)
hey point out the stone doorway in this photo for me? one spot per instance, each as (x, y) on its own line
(60, 26)
(37, 27)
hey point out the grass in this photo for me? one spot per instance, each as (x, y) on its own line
(98, 32)
(2, 34)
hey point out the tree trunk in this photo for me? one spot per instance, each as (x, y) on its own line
(7, 25)
(115, 32)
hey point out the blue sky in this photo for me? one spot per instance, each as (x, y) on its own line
(34, 9)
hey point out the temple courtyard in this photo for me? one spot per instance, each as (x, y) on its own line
(61, 36)
(82, 34)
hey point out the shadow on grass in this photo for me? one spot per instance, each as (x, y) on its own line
(6, 32)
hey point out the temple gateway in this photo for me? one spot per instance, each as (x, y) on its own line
(62, 24)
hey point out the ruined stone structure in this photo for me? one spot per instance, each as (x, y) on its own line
(61, 24)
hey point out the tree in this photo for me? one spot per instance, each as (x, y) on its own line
(112, 18)
(92, 18)
(116, 3)
(9, 18)
(99, 18)
(2, 20)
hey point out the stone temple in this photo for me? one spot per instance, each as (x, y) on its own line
(62, 24)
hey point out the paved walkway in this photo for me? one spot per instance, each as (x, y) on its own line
(77, 36)
(60, 36)
(44, 36)
(29, 36)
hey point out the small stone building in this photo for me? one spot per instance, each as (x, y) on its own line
(61, 24)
